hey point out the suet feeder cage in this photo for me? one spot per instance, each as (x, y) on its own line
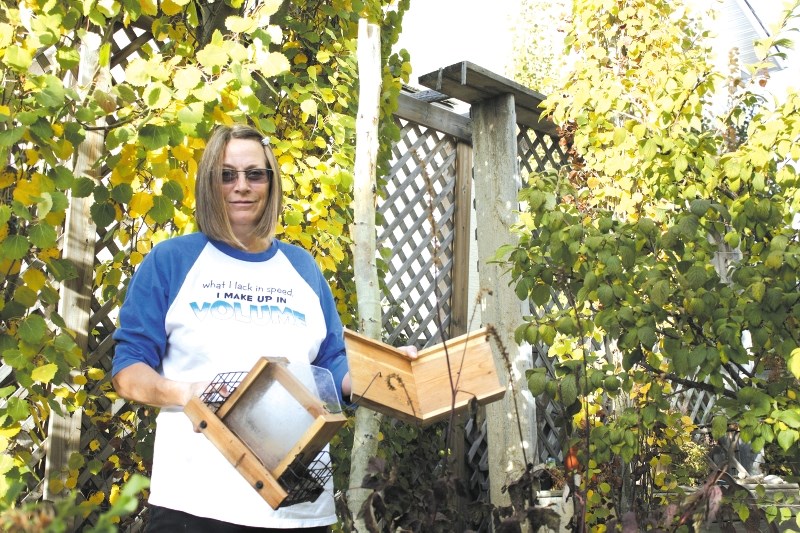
(272, 428)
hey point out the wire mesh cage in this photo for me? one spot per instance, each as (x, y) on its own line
(221, 388)
(305, 482)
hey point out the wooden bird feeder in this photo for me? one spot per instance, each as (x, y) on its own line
(419, 390)
(272, 428)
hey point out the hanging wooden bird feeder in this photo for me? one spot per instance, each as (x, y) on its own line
(272, 428)
(443, 378)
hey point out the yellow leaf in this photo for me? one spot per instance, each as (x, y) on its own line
(44, 373)
(270, 7)
(221, 116)
(34, 279)
(170, 8)
(32, 156)
(149, 7)
(140, 204)
(7, 178)
(309, 107)
(9, 432)
(26, 192)
(64, 149)
(49, 253)
(238, 24)
(794, 363)
(137, 73)
(273, 64)
(56, 485)
(187, 78)
(79, 380)
(136, 258)
(96, 373)
(113, 494)
(214, 54)
(97, 498)
(55, 218)
(181, 219)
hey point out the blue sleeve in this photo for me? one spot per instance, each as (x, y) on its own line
(141, 335)
(332, 354)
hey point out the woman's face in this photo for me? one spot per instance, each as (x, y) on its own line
(245, 199)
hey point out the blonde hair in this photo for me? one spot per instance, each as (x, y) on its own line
(210, 212)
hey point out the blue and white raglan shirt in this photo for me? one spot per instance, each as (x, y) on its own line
(196, 308)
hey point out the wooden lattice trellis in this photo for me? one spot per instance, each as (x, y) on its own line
(417, 230)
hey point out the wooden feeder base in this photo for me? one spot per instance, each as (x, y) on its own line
(419, 390)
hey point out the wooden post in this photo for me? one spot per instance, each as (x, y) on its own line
(460, 306)
(365, 442)
(512, 438)
(64, 431)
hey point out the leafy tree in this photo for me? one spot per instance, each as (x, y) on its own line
(670, 242)
(287, 67)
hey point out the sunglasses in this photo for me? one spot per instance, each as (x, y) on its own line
(253, 175)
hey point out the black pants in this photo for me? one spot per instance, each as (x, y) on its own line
(163, 520)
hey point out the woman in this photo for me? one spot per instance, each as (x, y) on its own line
(214, 302)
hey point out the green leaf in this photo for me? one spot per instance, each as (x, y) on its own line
(153, 137)
(62, 269)
(33, 329)
(44, 373)
(43, 236)
(172, 190)
(537, 379)
(25, 296)
(53, 95)
(122, 193)
(213, 54)
(719, 426)
(17, 409)
(660, 292)
(787, 438)
(606, 295)
(163, 209)
(5, 214)
(696, 276)
(541, 295)
(569, 390)
(103, 214)
(700, 207)
(790, 417)
(83, 187)
(157, 96)
(19, 58)
(15, 247)
(11, 136)
(67, 58)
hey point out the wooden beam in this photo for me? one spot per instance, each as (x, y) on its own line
(473, 84)
(460, 303)
(435, 117)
